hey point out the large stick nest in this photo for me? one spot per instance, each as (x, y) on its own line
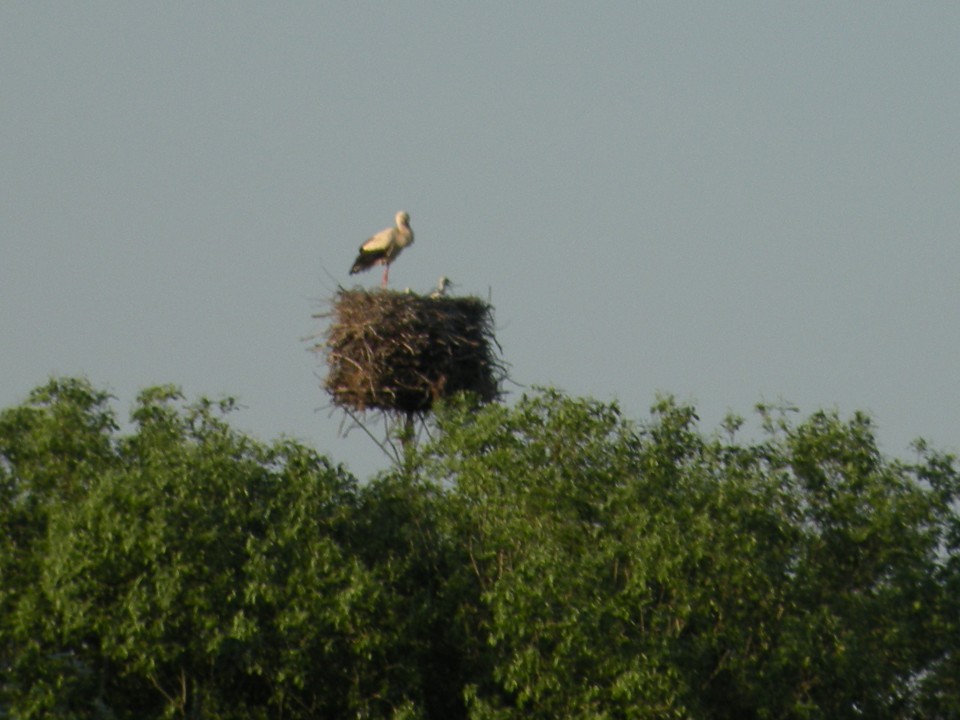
(401, 352)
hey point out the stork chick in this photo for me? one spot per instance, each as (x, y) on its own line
(442, 286)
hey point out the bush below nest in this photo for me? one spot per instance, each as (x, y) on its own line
(401, 352)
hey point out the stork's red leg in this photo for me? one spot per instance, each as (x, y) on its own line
(386, 273)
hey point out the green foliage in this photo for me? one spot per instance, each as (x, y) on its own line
(550, 559)
(649, 571)
(200, 574)
(51, 450)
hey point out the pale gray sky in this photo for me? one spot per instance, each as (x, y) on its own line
(731, 202)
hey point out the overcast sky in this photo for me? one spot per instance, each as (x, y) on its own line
(731, 202)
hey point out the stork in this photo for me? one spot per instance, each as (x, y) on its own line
(384, 247)
(442, 287)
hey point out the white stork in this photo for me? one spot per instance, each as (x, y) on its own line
(384, 247)
(442, 287)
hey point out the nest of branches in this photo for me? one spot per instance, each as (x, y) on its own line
(401, 352)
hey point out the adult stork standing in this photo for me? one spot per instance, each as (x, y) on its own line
(384, 247)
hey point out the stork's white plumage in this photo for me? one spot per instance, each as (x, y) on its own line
(384, 247)
(442, 287)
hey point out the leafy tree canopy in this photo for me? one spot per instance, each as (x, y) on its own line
(548, 559)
